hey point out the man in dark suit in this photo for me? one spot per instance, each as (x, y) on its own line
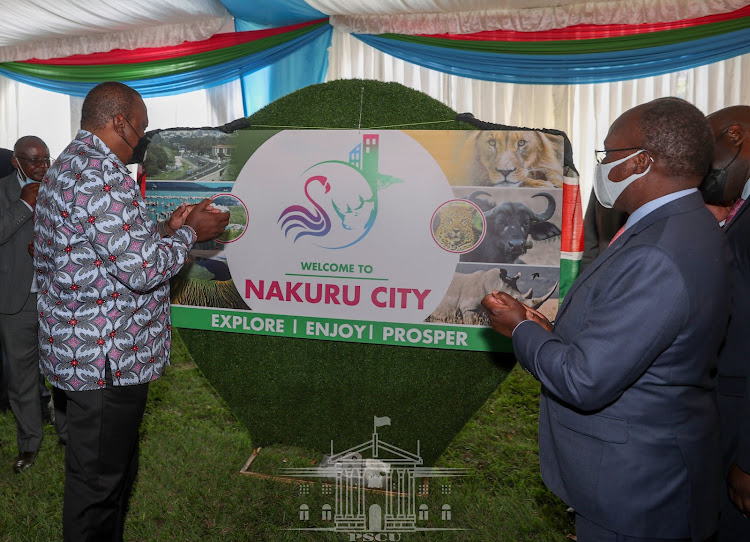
(6, 168)
(628, 421)
(18, 315)
(731, 167)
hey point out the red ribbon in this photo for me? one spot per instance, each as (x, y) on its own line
(147, 54)
(593, 31)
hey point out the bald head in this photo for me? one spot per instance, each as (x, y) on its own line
(734, 114)
(27, 142)
(31, 157)
(731, 159)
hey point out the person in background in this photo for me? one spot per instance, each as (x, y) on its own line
(600, 225)
(18, 318)
(628, 421)
(6, 164)
(103, 268)
(6, 168)
(728, 186)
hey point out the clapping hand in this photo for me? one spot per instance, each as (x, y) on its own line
(177, 219)
(207, 221)
(179, 215)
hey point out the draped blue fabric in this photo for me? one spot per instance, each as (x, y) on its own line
(567, 69)
(306, 66)
(207, 77)
(258, 14)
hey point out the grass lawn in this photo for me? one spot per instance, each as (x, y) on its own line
(190, 488)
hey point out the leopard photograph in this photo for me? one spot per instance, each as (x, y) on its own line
(457, 226)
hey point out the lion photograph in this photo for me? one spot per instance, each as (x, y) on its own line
(527, 159)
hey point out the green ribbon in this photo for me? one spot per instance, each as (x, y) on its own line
(155, 68)
(582, 46)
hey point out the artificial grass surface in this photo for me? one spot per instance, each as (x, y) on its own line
(336, 104)
(308, 392)
(189, 488)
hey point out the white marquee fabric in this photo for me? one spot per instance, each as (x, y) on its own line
(468, 16)
(39, 28)
(584, 112)
(49, 29)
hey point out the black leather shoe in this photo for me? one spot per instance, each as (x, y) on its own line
(24, 461)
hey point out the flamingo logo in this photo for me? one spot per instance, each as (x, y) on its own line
(342, 199)
(304, 221)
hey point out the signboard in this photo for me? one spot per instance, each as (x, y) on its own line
(386, 237)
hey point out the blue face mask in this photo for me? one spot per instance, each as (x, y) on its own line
(22, 174)
(607, 191)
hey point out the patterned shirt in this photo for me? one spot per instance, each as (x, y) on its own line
(103, 272)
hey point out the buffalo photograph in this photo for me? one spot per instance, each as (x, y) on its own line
(535, 286)
(522, 225)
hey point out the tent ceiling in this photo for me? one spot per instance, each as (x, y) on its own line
(49, 29)
(44, 29)
(469, 16)
(392, 7)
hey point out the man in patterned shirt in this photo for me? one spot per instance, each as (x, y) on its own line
(103, 268)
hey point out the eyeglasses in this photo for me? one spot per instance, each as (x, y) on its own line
(601, 155)
(35, 161)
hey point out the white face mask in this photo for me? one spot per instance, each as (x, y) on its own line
(607, 191)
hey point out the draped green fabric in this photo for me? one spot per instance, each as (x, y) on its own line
(156, 68)
(584, 46)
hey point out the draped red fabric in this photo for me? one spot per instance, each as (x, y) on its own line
(592, 31)
(146, 54)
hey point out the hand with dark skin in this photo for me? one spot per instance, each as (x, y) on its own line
(738, 482)
(177, 219)
(206, 222)
(539, 318)
(506, 313)
(29, 193)
(720, 212)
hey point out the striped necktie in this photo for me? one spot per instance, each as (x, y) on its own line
(733, 211)
(618, 234)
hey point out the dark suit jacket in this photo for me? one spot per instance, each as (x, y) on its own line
(16, 230)
(734, 358)
(6, 167)
(628, 422)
